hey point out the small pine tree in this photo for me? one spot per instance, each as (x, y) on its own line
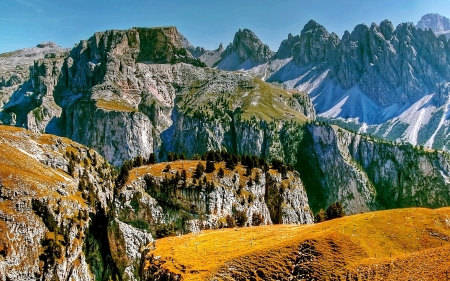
(152, 159)
(230, 164)
(199, 170)
(167, 168)
(184, 175)
(210, 166)
(221, 173)
(71, 167)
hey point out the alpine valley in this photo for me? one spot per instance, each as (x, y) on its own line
(103, 149)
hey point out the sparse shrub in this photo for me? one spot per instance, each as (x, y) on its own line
(240, 218)
(167, 168)
(231, 222)
(257, 219)
(167, 229)
(320, 216)
(335, 210)
(257, 177)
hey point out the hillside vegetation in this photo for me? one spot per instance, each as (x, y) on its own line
(402, 244)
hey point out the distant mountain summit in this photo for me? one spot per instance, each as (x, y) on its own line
(435, 22)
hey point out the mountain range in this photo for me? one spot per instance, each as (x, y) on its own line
(81, 199)
(379, 79)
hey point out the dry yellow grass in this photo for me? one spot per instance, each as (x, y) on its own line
(189, 166)
(364, 242)
(19, 169)
(115, 105)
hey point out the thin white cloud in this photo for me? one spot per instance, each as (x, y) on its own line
(31, 5)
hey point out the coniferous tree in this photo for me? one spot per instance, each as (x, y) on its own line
(199, 170)
(230, 164)
(152, 158)
(210, 167)
(221, 173)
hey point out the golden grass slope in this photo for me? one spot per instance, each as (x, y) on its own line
(403, 244)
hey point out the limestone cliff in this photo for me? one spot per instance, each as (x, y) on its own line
(126, 93)
(368, 174)
(54, 201)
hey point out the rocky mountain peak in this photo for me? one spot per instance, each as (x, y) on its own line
(286, 46)
(163, 45)
(387, 29)
(314, 45)
(435, 22)
(248, 46)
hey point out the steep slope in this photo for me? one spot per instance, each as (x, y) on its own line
(246, 52)
(369, 174)
(54, 199)
(391, 82)
(15, 74)
(407, 244)
(125, 93)
(175, 196)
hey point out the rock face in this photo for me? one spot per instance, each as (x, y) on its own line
(391, 82)
(246, 52)
(54, 196)
(16, 87)
(366, 174)
(435, 22)
(155, 197)
(125, 93)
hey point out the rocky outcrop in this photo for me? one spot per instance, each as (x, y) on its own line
(54, 197)
(155, 197)
(368, 174)
(16, 89)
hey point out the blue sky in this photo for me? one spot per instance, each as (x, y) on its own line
(25, 23)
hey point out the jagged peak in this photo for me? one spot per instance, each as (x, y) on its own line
(248, 45)
(313, 26)
(435, 22)
(387, 29)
